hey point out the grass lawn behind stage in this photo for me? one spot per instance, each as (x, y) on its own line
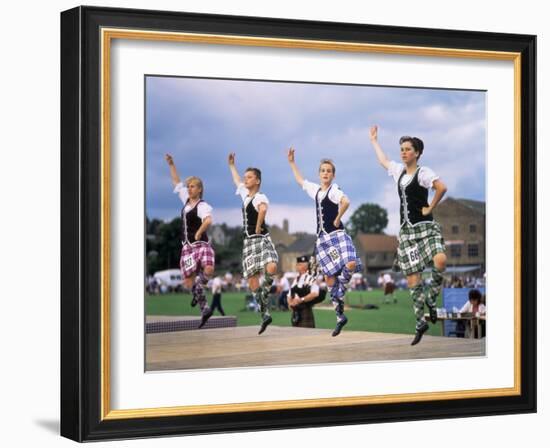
(388, 318)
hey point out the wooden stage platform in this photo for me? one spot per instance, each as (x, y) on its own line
(242, 347)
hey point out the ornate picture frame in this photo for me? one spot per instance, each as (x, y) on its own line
(87, 35)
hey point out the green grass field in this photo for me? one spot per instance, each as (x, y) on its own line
(388, 318)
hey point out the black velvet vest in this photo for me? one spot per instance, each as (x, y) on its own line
(250, 218)
(190, 223)
(413, 197)
(327, 212)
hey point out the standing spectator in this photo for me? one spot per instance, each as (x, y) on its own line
(304, 294)
(228, 280)
(217, 295)
(389, 288)
(380, 280)
(284, 287)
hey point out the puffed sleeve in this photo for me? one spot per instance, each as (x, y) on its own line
(335, 194)
(182, 192)
(242, 191)
(259, 198)
(204, 209)
(310, 188)
(426, 177)
(394, 170)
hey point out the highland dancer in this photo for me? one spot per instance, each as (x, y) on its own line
(197, 255)
(259, 255)
(420, 241)
(334, 248)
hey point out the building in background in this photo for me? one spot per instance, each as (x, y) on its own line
(304, 244)
(376, 250)
(463, 226)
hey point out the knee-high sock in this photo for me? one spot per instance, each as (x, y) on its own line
(434, 287)
(263, 294)
(198, 292)
(417, 296)
(339, 308)
(337, 292)
(345, 275)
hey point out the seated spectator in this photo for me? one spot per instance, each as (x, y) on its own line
(473, 305)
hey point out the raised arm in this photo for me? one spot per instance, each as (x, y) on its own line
(342, 207)
(262, 211)
(440, 190)
(382, 159)
(294, 168)
(233, 168)
(173, 172)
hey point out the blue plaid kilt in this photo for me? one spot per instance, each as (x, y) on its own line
(334, 250)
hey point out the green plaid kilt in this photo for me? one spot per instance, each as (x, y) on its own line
(418, 245)
(258, 251)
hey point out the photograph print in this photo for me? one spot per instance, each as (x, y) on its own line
(293, 223)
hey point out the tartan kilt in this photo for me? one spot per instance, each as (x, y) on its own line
(195, 257)
(257, 252)
(334, 250)
(418, 245)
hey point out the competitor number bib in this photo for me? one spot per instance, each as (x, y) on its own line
(249, 262)
(334, 255)
(188, 262)
(413, 255)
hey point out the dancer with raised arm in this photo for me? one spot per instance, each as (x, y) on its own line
(334, 248)
(259, 254)
(420, 241)
(197, 255)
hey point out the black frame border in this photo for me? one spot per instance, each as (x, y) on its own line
(81, 223)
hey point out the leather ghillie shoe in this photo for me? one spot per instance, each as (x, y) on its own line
(339, 325)
(267, 320)
(419, 333)
(205, 318)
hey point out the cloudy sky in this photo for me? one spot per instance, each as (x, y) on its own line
(199, 121)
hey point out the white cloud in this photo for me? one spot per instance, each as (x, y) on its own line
(300, 219)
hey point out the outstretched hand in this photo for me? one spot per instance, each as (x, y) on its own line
(231, 158)
(374, 133)
(291, 155)
(169, 159)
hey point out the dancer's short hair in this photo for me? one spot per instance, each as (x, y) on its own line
(416, 143)
(256, 172)
(328, 162)
(197, 180)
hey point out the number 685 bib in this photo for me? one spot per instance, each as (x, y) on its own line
(413, 256)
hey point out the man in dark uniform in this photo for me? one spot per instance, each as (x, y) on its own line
(304, 293)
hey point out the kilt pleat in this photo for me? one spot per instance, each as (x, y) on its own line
(418, 245)
(257, 252)
(334, 250)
